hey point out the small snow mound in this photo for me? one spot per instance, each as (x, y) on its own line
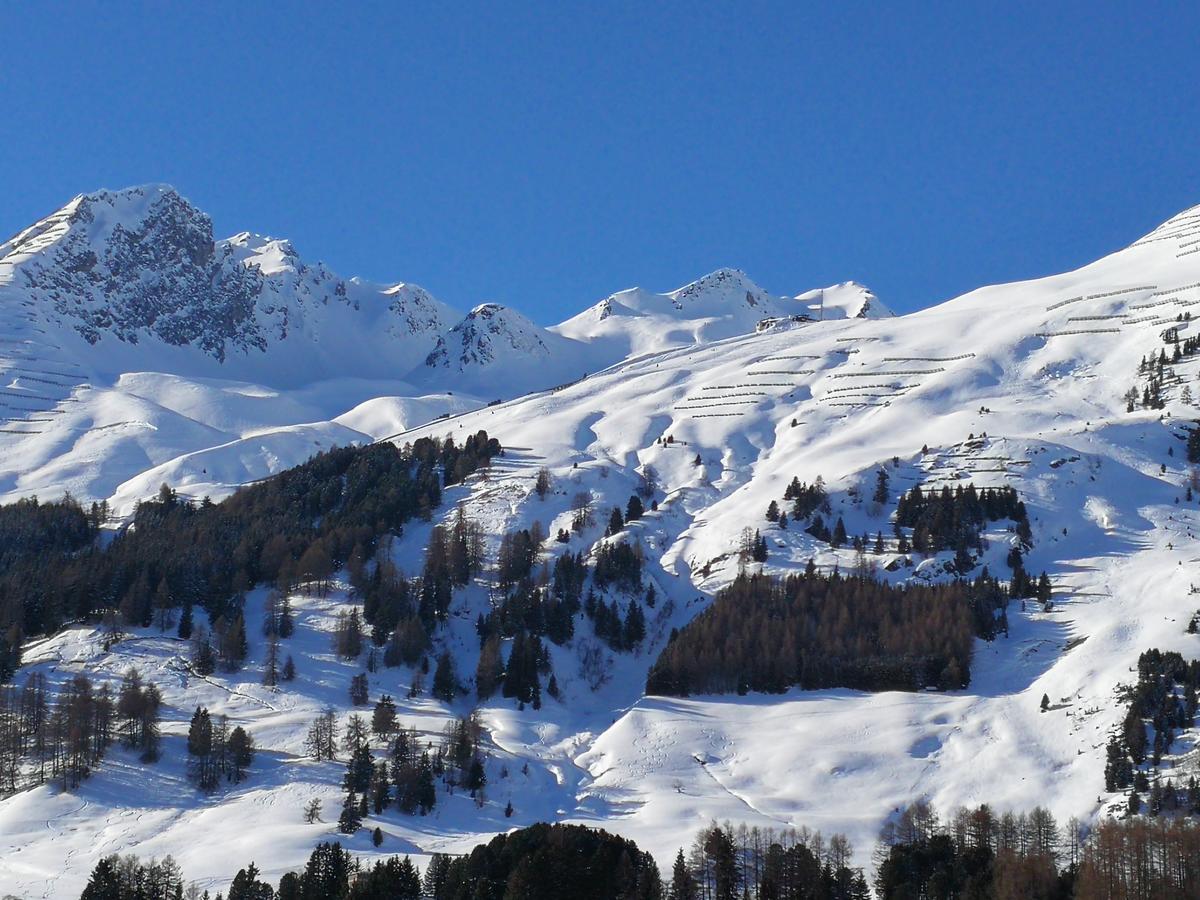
(848, 300)
(1101, 512)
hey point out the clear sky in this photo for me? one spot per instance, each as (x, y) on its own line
(545, 155)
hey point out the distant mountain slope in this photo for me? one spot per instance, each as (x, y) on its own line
(134, 281)
(722, 304)
(496, 350)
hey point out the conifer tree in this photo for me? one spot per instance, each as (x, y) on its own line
(231, 642)
(185, 623)
(380, 788)
(542, 484)
(445, 684)
(880, 495)
(271, 663)
(635, 626)
(321, 741)
(383, 719)
(490, 669)
(347, 635)
(683, 885)
(359, 770)
(164, 606)
(247, 886)
(476, 776)
(287, 625)
(203, 659)
(759, 551)
(350, 819)
(359, 691)
(1044, 588)
(240, 748)
(199, 739)
(634, 509)
(105, 882)
(839, 534)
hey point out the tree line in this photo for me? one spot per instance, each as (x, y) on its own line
(925, 523)
(974, 853)
(1017, 856)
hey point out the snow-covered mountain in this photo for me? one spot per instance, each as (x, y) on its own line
(722, 304)
(723, 393)
(132, 280)
(132, 339)
(496, 349)
(848, 300)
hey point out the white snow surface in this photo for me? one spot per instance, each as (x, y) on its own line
(1017, 384)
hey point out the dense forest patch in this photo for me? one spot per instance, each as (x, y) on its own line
(302, 524)
(1165, 699)
(820, 631)
(953, 520)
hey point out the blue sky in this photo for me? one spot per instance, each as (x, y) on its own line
(544, 155)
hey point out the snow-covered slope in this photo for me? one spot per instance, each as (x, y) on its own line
(1019, 385)
(496, 349)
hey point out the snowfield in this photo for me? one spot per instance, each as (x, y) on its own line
(1020, 385)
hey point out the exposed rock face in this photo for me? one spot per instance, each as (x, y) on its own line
(141, 265)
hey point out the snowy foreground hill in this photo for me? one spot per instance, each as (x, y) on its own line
(183, 369)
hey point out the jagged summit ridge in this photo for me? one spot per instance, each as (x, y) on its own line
(135, 264)
(141, 267)
(135, 279)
